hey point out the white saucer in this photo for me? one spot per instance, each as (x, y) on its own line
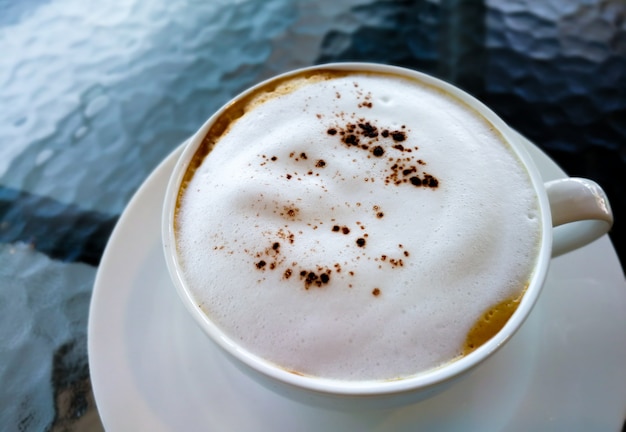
(153, 369)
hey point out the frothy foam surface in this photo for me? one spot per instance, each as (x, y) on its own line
(355, 228)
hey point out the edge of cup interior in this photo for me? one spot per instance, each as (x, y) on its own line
(422, 380)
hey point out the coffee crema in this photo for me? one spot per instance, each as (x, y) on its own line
(356, 225)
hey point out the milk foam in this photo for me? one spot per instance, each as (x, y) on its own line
(330, 258)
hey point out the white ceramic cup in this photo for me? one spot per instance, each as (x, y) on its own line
(578, 204)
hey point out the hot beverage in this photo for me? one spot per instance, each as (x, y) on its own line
(356, 225)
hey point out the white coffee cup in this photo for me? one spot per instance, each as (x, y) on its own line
(578, 206)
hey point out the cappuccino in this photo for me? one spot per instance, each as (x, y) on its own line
(356, 225)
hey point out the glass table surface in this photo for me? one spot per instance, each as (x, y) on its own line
(94, 96)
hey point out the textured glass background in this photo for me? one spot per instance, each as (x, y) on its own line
(94, 95)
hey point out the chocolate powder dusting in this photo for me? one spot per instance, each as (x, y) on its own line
(432, 181)
(427, 181)
(368, 130)
(366, 135)
(398, 136)
(351, 139)
(312, 278)
(290, 212)
(344, 229)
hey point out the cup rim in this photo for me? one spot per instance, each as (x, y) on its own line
(422, 380)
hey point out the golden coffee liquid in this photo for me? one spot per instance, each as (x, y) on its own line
(490, 323)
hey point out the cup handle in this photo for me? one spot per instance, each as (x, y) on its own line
(581, 213)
